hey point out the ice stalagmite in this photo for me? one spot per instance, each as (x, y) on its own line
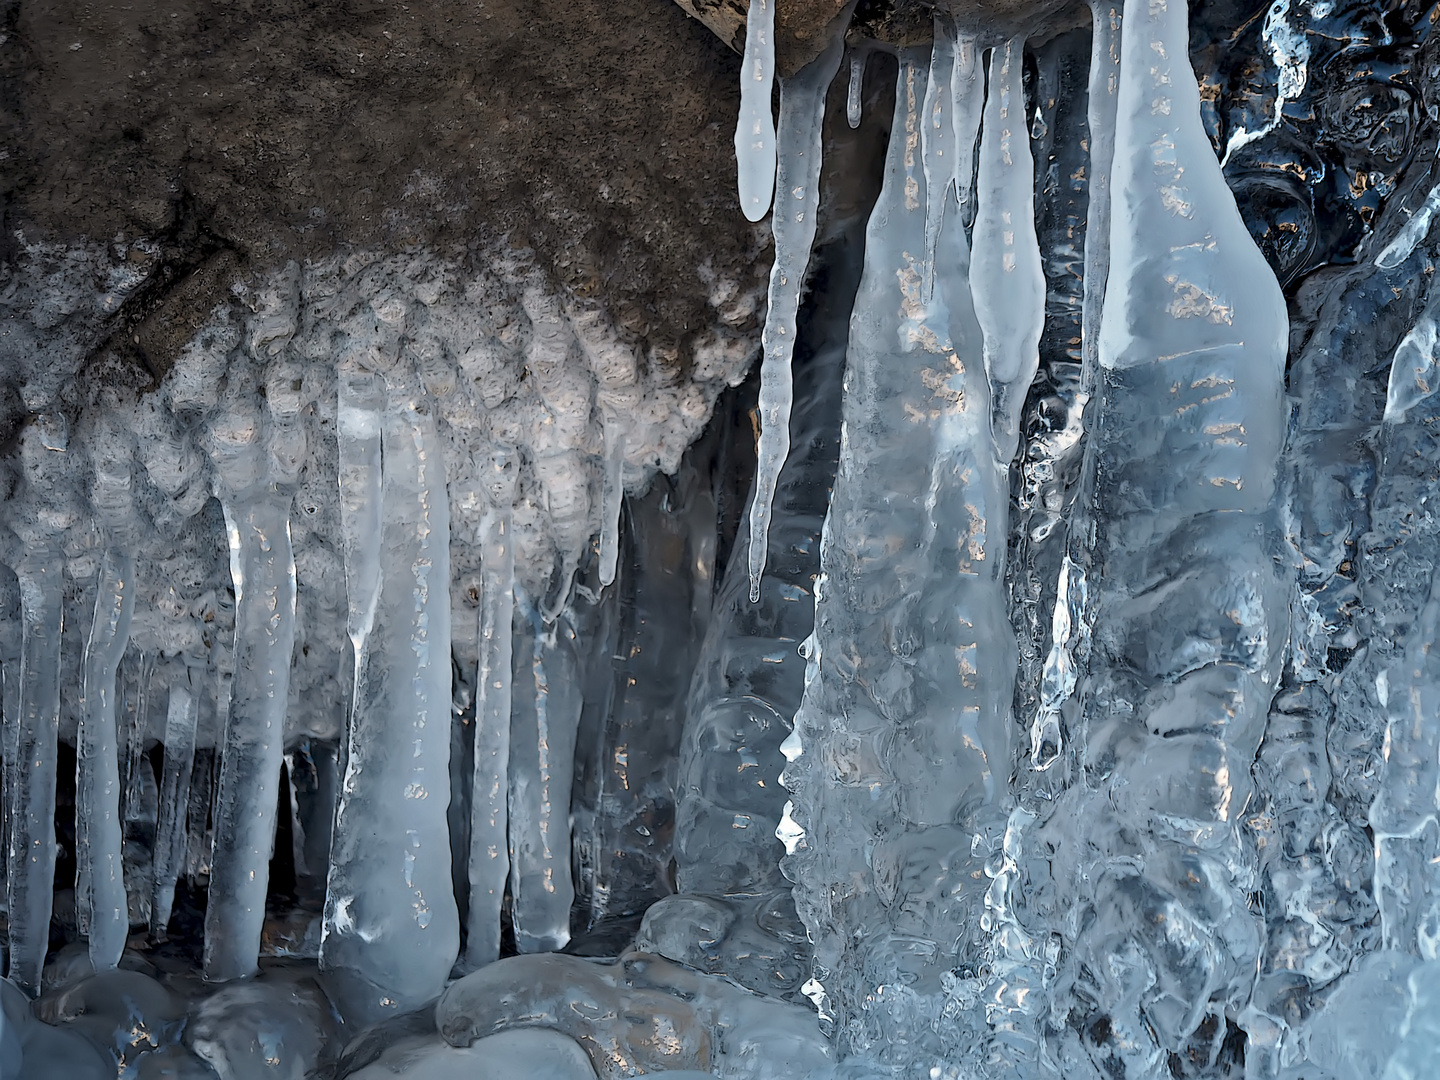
(802, 116)
(1189, 590)
(1006, 278)
(544, 721)
(755, 131)
(102, 891)
(31, 842)
(902, 749)
(391, 923)
(181, 716)
(489, 864)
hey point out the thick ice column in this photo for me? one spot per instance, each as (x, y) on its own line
(391, 922)
(802, 117)
(489, 864)
(31, 842)
(262, 569)
(1190, 592)
(544, 721)
(755, 130)
(100, 891)
(902, 745)
(182, 712)
(1007, 279)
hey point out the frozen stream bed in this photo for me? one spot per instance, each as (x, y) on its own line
(996, 644)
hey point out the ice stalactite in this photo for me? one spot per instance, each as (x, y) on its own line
(181, 718)
(755, 130)
(489, 862)
(31, 843)
(855, 90)
(544, 720)
(1105, 18)
(1189, 590)
(392, 927)
(1008, 281)
(612, 498)
(902, 746)
(100, 890)
(802, 118)
(967, 94)
(734, 915)
(938, 138)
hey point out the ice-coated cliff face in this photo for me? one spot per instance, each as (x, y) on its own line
(1023, 670)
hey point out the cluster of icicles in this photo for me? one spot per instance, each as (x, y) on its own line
(961, 924)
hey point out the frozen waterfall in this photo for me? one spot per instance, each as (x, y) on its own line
(1024, 670)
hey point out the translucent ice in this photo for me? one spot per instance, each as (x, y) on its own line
(521, 1052)
(102, 889)
(802, 117)
(180, 722)
(391, 919)
(755, 130)
(1007, 280)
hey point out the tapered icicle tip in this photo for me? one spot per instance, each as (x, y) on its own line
(854, 95)
(755, 131)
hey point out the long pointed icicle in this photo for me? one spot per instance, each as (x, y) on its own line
(182, 713)
(1008, 279)
(1104, 86)
(855, 92)
(802, 118)
(489, 865)
(938, 141)
(755, 130)
(32, 798)
(106, 911)
(391, 923)
(967, 87)
(612, 498)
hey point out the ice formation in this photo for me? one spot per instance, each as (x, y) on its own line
(1061, 703)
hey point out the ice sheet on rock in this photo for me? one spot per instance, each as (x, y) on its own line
(489, 862)
(1191, 612)
(278, 1027)
(391, 922)
(546, 698)
(1412, 368)
(1414, 1057)
(181, 718)
(1007, 280)
(1410, 235)
(31, 843)
(802, 118)
(903, 735)
(100, 888)
(671, 1017)
(127, 1013)
(755, 130)
(521, 1052)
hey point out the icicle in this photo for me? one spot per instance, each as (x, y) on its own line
(31, 842)
(489, 821)
(170, 836)
(1415, 230)
(1104, 86)
(968, 90)
(262, 569)
(544, 722)
(391, 923)
(855, 93)
(100, 889)
(802, 117)
(938, 141)
(755, 132)
(900, 789)
(1007, 279)
(137, 723)
(612, 498)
